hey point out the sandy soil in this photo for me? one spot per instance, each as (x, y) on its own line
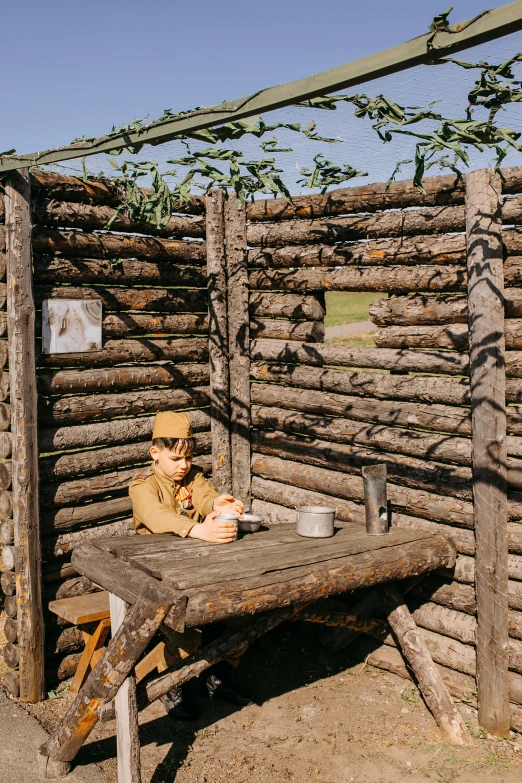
(345, 330)
(317, 719)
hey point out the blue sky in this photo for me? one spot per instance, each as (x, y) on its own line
(72, 68)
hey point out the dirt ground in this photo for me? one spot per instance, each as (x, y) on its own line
(317, 718)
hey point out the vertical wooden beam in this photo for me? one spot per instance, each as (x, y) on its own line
(126, 707)
(239, 346)
(22, 380)
(218, 342)
(488, 411)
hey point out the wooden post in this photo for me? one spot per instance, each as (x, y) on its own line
(239, 346)
(218, 342)
(488, 411)
(22, 380)
(126, 706)
(431, 684)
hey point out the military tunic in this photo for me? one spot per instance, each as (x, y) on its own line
(162, 505)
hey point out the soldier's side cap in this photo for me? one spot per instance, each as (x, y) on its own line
(169, 424)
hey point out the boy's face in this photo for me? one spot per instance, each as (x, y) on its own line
(171, 463)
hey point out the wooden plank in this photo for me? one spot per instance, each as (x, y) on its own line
(267, 470)
(218, 342)
(233, 571)
(439, 477)
(120, 546)
(61, 187)
(485, 27)
(289, 546)
(97, 407)
(396, 280)
(126, 707)
(428, 446)
(125, 581)
(438, 250)
(488, 411)
(441, 418)
(452, 336)
(438, 191)
(74, 243)
(296, 585)
(22, 380)
(82, 608)
(148, 560)
(239, 346)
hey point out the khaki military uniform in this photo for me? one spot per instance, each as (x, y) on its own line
(162, 505)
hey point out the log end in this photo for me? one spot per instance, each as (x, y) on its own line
(48, 768)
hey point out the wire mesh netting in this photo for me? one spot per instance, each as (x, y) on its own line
(308, 140)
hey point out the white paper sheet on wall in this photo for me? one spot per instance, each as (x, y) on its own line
(71, 325)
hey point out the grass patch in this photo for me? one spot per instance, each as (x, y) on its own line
(345, 307)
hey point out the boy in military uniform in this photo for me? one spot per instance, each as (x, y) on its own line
(174, 497)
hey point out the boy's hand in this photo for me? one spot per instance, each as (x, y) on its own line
(227, 504)
(214, 532)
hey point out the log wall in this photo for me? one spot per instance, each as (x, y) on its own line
(96, 410)
(320, 412)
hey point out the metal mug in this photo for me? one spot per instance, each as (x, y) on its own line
(229, 518)
(315, 521)
(375, 500)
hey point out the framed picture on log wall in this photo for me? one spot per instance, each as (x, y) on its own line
(71, 325)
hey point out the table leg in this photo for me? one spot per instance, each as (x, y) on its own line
(126, 707)
(431, 684)
(137, 629)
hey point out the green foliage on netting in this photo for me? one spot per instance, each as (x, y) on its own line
(327, 173)
(155, 206)
(441, 142)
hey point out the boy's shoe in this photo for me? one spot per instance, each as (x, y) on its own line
(219, 685)
(179, 705)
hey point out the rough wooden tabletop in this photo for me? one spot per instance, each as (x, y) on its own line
(271, 568)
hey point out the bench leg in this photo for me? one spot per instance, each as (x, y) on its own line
(93, 642)
(137, 629)
(126, 707)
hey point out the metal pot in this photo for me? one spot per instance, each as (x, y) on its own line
(250, 523)
(315, 521)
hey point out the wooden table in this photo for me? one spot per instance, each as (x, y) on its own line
(185, 583)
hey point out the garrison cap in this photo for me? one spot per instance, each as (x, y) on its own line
(169, 424)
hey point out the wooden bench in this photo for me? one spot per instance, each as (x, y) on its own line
(91, 612)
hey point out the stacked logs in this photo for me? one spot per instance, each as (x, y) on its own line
(96, 410)
(322, 412)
